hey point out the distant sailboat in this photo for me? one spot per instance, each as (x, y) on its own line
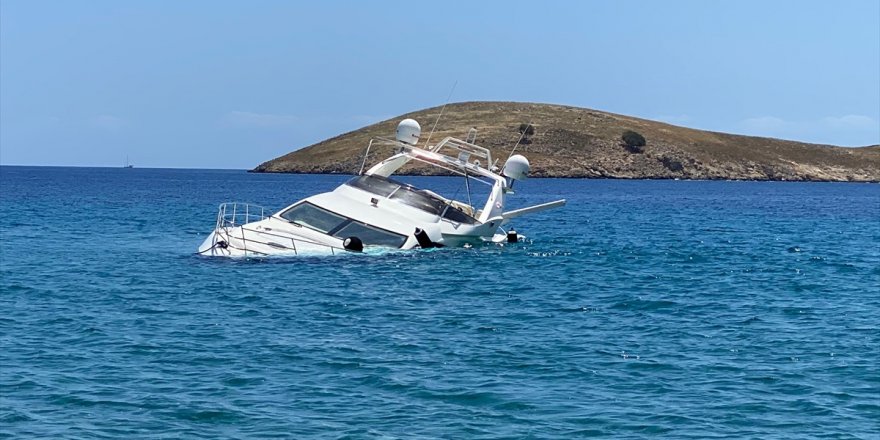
(127, 165)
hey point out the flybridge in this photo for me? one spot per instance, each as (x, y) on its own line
(452, 154)
(373, 210)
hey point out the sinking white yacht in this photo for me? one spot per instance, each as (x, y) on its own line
(372, 210)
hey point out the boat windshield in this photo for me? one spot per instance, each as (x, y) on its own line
(330, 223)
(406, 194)
(409, 195)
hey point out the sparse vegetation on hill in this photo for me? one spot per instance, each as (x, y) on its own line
(527, 129)
(633, 141)
(578, 142)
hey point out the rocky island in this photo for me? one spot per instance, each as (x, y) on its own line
(563, 141)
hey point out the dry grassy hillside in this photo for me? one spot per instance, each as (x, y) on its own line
(578, 142)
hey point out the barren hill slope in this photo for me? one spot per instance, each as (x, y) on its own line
(578, 142)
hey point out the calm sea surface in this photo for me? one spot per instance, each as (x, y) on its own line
(641, 309)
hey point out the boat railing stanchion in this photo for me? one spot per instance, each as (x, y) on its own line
(221, 215)
(366, 154)
(243, 242)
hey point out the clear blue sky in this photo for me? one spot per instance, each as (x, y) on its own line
(214, 84)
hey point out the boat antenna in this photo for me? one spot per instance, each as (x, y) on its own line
(467, 184)
(441, 113)
(521, 136)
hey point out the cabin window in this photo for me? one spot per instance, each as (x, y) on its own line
(321, 220)
(376, 185)
(310, 216)
(458, 216)
(418, 199)
(370, 235)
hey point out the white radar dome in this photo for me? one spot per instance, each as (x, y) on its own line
(408, 131)
(517, 167)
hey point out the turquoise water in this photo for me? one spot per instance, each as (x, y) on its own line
(641, 309)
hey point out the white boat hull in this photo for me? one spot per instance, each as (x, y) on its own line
(264, 238)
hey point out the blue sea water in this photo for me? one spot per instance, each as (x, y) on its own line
(642, 309)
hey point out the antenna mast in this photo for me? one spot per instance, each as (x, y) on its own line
(441, 113)
(521, 136)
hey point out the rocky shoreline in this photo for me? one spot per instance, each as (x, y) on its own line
(571, 142)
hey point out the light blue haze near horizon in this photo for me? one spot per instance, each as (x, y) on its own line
(201, 84)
